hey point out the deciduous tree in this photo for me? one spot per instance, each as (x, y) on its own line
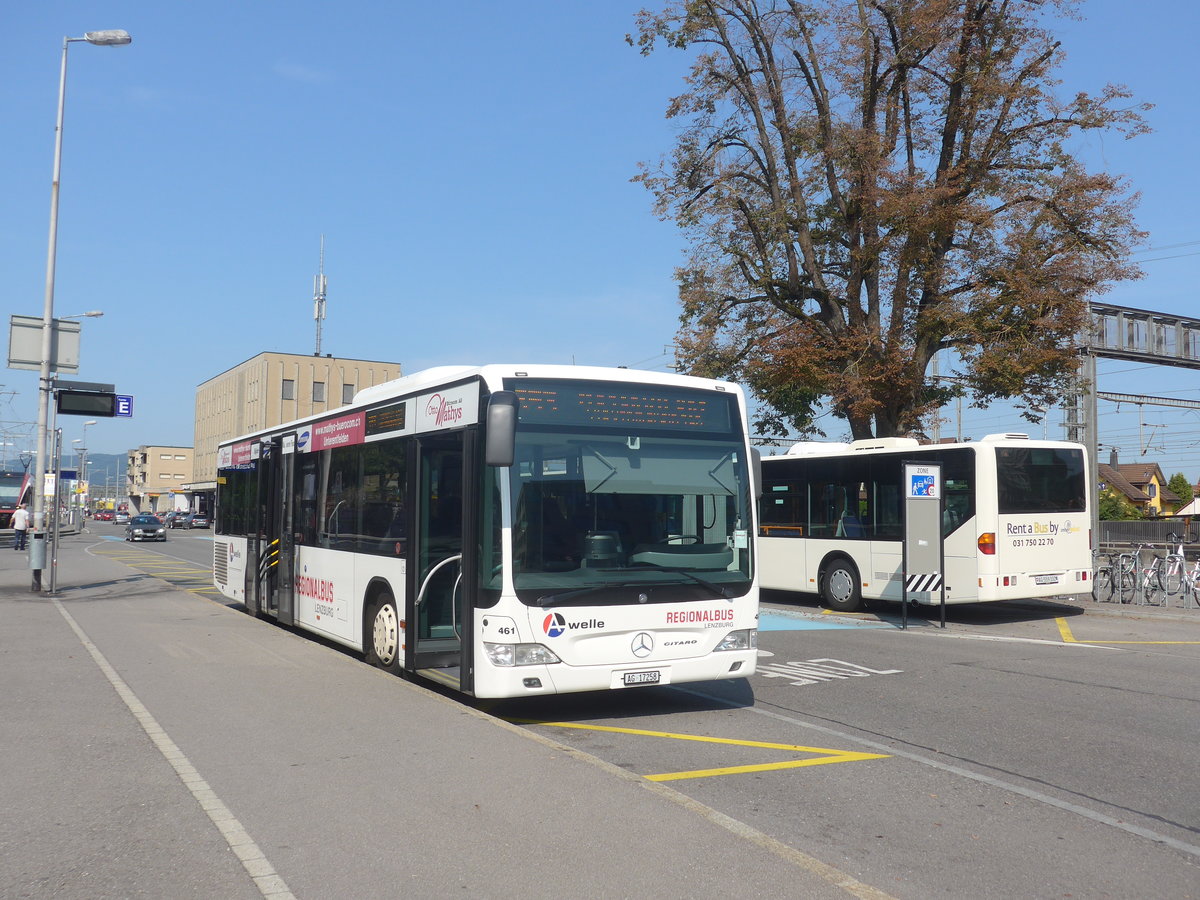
(864, 184)
(1181, 486)
(1115, 506)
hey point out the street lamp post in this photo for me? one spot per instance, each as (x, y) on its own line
(37, 550)
(80, 456)
(85, 490)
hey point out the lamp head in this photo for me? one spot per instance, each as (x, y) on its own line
(111, 38)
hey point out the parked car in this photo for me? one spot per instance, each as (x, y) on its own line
(174, 519)
(103, 515)
(120, 518)
(145, 527)
(195, 520)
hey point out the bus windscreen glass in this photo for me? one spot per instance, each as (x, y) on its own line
(628, 494)
(1040, 479)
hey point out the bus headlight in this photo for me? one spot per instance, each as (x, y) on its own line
(739, 640)
(507, 655)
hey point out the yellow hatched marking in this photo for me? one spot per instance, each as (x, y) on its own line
(177, 573)
(1068, 638)
(826, 756)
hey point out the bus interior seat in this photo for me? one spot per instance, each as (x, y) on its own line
(851, 527)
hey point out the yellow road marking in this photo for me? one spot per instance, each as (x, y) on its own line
(180, 574)
(826, 756)
(1068, 638)
(850, 615)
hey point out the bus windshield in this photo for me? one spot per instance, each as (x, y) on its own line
(605, 518)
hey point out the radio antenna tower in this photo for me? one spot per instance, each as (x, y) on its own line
(319, 285)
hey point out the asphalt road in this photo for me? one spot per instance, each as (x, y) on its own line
(1022, 752)
(1031, 751)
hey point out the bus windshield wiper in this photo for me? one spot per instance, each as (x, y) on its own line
(715, 588)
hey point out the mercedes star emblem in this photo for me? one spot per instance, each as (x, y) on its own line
(642, 645)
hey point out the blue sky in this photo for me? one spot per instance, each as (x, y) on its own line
(470, 172)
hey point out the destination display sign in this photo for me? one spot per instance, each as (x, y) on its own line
(615, 404)
(384, 419)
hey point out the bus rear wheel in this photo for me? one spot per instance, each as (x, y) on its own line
(384, 635)
(839, 586)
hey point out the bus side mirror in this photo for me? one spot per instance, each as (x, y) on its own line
(501, 437)
(756, 467)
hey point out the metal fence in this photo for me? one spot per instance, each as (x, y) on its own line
(1147, 531)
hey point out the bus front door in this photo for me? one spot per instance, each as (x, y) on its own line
(438, 593)
(273, 552)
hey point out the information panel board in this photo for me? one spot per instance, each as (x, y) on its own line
(923, 552)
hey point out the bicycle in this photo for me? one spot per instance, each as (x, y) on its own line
(1102, 577)
(1150, 583)
(1125, 576)
(1189, 584)
(1175, 576)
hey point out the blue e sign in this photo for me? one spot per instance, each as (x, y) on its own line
(124, 406)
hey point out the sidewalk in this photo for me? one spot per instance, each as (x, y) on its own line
(160, 744)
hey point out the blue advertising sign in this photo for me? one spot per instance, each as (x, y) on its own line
(124, 406)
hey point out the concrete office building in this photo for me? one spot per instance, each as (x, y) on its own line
(268, 390)
(156, 476)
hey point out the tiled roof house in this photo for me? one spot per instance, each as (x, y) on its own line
(1142, 483)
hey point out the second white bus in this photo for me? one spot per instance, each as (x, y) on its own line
(1015, 520)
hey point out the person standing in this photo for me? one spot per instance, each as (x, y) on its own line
(20, 524)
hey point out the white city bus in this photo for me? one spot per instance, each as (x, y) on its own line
(506, 531)
(1015, 520)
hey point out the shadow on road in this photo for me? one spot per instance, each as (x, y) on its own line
(1006, 612)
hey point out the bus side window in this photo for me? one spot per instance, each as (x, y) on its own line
(306, 516)
(955, 512)
(782, 511)
(339, 522)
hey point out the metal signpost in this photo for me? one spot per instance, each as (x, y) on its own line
(924, 559)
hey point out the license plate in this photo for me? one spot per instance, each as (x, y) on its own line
(632, 678)
(1045, 579)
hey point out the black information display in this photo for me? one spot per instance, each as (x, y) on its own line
(619, 405)
(386, 418)
(86, 403)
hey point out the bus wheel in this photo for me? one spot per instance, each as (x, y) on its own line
(839, 586)
(384, 636)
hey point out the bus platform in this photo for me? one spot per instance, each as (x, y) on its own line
(161, 744)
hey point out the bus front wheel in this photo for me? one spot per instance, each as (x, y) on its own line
(839, 586)
(384, 635)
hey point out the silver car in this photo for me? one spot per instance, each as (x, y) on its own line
(145, 528)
